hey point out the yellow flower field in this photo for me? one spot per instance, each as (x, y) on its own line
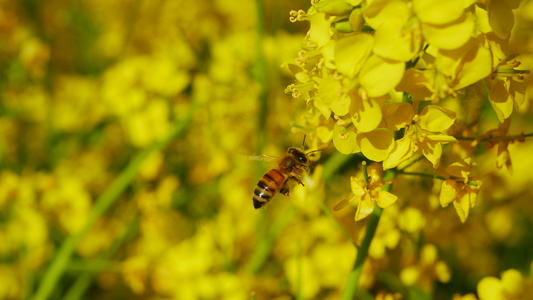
(134, 136)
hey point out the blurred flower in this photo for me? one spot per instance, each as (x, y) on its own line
(426, 270)
(512, 285)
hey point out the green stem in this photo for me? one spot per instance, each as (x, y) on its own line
(435, 177)
(501, 138)
(63, 256)
(512, 71)
(362, 253)
(93, 267)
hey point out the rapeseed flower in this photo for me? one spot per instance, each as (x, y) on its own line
(426, 134)
(460, 188)
(368, 192)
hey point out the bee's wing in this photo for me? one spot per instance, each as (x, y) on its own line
(263, 157)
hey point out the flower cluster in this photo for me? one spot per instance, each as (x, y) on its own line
(384, 79)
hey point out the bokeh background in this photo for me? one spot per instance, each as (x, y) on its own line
(125, 134)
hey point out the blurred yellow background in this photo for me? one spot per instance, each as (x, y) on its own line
(125, 131)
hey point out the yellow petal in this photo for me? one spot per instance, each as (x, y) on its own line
(364, 208)
(452, 35)
(501, 100)
(397, 115)
(386, 199)
(512, 283)
(324, 134)
(475, 65)
(329, 89)
(434, 118)
(376, 145)
(379, 13)
(319, 30)
(367, 115)
(401, 152)
(462, 208)
(356, 20)
(489, 288)
(345, 140)
(379, 76)
(322, 107)
(417, 83)
(341, 106)
(501, 18)
(358, 187)
(351, 52)
(460, 169)
(396, 41)
(432, 151)
(482, 19)
(517, 90)
(503, 158)
(333, 7)
(441, 138)
(437, 11)
(448, 192)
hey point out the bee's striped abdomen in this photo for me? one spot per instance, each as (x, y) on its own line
(267, 187)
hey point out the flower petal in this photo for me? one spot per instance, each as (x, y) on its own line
(351, 52)
(501, 18)
(367, 115)
(462, 207)
(397, 115)
(376, 145)
(379, 76)
(452, 35)
(438, 11)
(319, 30)
(345, 140)
(386, 199)
(358, 187)
(395, 40)
(364, 209)
(432, 151)
(401, 152)
(448, 192)
(501, 100)
(434, 118)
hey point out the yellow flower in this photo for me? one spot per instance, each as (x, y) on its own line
(511, 286)
(425, 134)
(461, 67)
(460, 188)
(507, 86)
(397, 34)
(371, 194)
(428, 269)
(498, 137)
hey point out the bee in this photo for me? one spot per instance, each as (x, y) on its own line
(291, 167)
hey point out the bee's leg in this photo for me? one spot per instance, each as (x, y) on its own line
(296, 179)
(285, 189)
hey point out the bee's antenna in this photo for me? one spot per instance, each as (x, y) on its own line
(313, 151)
(303, 142)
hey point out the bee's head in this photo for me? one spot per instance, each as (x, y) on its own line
(300, 156)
